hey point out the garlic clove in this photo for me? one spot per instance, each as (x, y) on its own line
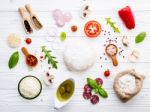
(134, 56)
(125, 41)
(136, 53)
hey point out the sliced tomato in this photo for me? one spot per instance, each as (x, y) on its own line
(92, 29)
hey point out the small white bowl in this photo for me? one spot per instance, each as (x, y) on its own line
(58, 104)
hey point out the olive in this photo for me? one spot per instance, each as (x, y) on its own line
(62, 90)
(68, 88)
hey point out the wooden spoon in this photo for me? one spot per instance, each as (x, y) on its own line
(34, 18)
(112, 50)
(25, 20)
(31, 60)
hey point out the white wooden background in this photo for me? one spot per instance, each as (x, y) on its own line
(10, 21)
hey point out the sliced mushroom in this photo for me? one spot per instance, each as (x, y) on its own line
(125, 41)
(48, 78)
(134, 56)
(85, 11)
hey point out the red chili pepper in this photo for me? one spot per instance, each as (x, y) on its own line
(127, 17)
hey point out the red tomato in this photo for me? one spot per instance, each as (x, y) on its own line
(74, 28)
(28, 41)
(107, 73)
(92, 29)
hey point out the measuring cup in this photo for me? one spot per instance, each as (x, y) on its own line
(25, 20)
(34, 18)
(31, 60)
(112, 50)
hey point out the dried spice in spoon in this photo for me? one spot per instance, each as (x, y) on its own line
(34, 18)
(111, 50)
(31, 60)
(25, 21)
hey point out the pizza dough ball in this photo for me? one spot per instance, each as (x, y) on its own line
(79, 55)
(14, 40)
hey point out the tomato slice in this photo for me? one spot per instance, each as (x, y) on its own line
(92, 29)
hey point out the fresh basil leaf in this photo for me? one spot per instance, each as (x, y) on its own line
(140, 37)
(96, 91)
(14, 58)
(92, 83)
(62, 36)
(102, 92)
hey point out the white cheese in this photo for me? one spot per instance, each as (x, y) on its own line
(30, 87)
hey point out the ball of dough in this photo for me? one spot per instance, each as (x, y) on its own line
(79, 55)
(14, 40)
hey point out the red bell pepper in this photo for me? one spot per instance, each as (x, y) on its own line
(127, 17)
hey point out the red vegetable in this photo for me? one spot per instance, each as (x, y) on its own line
(28, 40)
(127, 17)
(107, 73)
(74, 28)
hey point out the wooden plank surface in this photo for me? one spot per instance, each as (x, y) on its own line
(10, 21)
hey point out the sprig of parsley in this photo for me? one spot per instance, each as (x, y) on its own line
(112, 25)
(51, 59)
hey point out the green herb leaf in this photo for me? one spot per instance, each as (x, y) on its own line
(51, 59)
(92, 83)
(140, 37)
(96, 91)
(97, 88)
(102, 92)
(14, 58)
(112, 25)
(63, 36)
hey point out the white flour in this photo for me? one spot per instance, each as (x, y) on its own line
(127, 83)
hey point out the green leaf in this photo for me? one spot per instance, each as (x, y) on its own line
(63, 36)
(140, 37)
(92, 83)
(51, 59)
(112, 25)
(102, 92)
(14, 58)
(96, 91)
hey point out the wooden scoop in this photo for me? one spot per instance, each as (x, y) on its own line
(31, 60)
(34, 18)
(112, 50)
(25, 21)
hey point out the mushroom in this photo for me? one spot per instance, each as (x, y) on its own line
(133, 57)
(125, 41)
(84, 11)
(48, 78)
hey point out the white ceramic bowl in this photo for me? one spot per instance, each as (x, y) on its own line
(58, 104)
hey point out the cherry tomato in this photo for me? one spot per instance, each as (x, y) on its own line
(107, 73)
(28, 40)
(92, 29)
(74, 28)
